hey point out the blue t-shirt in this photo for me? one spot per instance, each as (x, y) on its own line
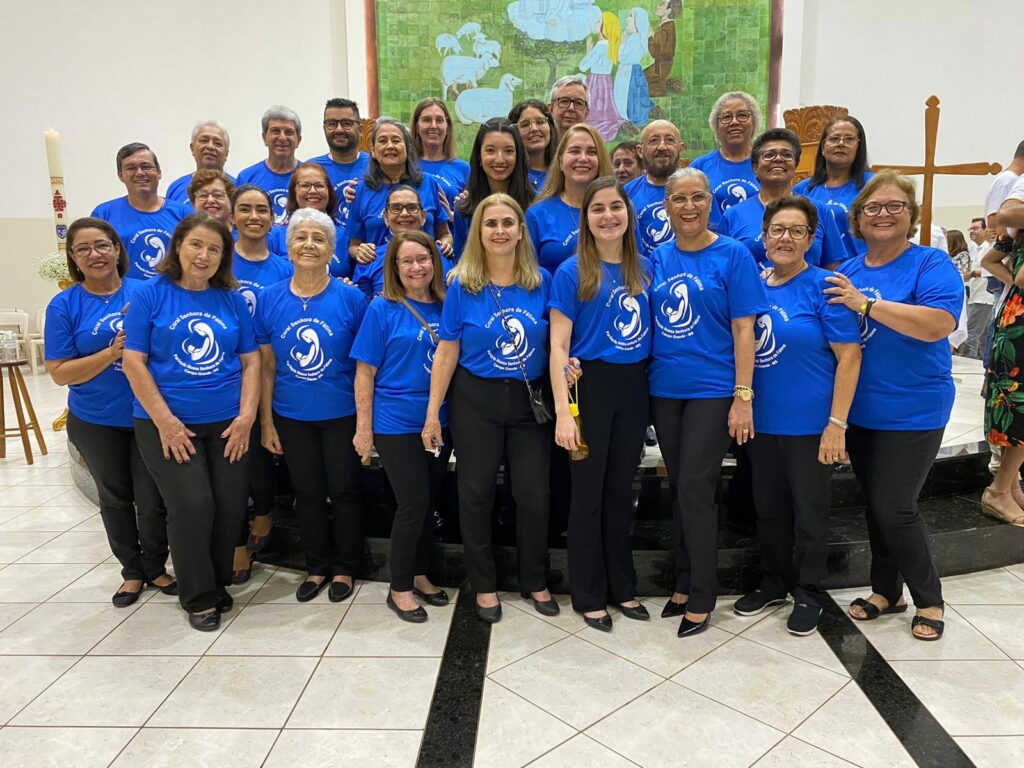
(315, 375)
(394, 342)
(554, 228)
(146, 236)
(254, 276)
(905, 384)
(489, 338)
(193, 340)
(274, 184)
(366, 214)
(731, 182)
(341, 262)
(838, 199)
(537, 178)
(460, 232)
(652, 224)
(369, 278)
(178, 191)
(79, 324)
(743, 222)
(794, 366)
(695, 296)
(451, 175)
(613, 326)
(340, 175)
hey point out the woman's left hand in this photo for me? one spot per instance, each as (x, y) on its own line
(363, 443)
(832, 448)
(741, 421)
(843, 292)
(445, 247)
(237, 434)
(573, 371)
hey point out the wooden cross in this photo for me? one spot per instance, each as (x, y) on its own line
(930, 170)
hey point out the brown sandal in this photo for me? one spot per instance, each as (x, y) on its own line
(993, 512)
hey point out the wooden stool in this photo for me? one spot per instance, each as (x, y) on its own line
(18, 391)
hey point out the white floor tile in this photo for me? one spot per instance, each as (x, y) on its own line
(106, 691)
(58, 629)
(279, 630)
(11, 612)
(71, 547)
(62, 747)
(567, 619)
(157, 630)
(26, 583)
(98, 585)
(772, 633)
(173, 748)
(367, 693)
(993, 751)
(22, 678)
(92, 523)
(374, 630)
(64, 497)
(517, 635)
(57, 519)
(7, 512)
(792, 753)
(513, 731)
(989, 588)
(281, 586)
(1002, 624)
(34, 495)
(892, 638)
(17, 544)
(582, 752)
(345, 749)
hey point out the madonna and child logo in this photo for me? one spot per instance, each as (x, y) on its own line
(512, 345)
(628, 322)
(655, 228)
(431, 348)
(307, 358)
(280, 198)
(675, 316)
(767, 349)
(149, 247)
(199, 352)
(249, 294)
(110, 325)
(736, 190)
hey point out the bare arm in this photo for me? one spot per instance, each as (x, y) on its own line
(443, 235)
(833, 439)
(1010, 214)
(445, 359)
(240, 428)
(995, 262)
(566, 434)
(921, 323)
(79, 370)
(741, 414)
(363, 439)
(268, 430)
(174, 435)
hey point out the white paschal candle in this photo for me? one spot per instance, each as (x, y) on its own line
(57, 198)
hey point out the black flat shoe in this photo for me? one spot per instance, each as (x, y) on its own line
(688, 628)
(225, 602)
(673, 609)
(637, 613)
(167, 589)
(755, 602)
(543, 607)
(338, 591)
(204, 622)
(923, 621)
(490, 615)
(416, 616)
(123, 599)
(602, 623)
(437, 599)
(309, 589)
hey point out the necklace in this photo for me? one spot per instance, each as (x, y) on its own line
(788, 277)
(306, 299)
(106, 298)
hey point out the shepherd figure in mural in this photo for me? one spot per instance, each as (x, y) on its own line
(600, 60)
(632, 97)
(662, 45)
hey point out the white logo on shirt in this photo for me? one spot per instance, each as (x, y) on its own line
(737, 194)
(199, 352)
(155, 256)
(152, 249)
(659, 229)
(767, 350)
(511, 345)
(867, 329)
(280, 201)
(515, 339)
(307, 353)
(628, 321)
(201, 345)
(250, 299)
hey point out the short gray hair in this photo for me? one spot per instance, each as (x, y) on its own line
(686, 173)
(211, 124)
(278, 112)
(311, 216)
(746, 98)
(561, 82)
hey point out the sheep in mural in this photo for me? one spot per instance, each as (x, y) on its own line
(447, 44)
(464, 70)
(468, 29)
(477, 105)
(482, 45)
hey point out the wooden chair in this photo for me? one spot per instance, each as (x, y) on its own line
(20, 394)
(809, 123)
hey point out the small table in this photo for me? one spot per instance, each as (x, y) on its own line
(19, 392)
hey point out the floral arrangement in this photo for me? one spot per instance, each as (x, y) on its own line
(53, 267)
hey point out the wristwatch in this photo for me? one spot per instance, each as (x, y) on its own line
(1004, 244)
(746, 394)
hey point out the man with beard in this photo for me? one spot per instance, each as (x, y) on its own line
(343, 162)
(209, 146)
(282, 134)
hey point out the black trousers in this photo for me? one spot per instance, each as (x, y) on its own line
(487, 417)
(206, 500)
(415, 476)
(793, 501)
(892, 468)
(614, 411)
(262, 475)
(324, 464)
(131, 508)
(694, 436)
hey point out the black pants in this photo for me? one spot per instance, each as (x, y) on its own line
(614, 410)
(892, 468)
(793, 500)
(206, 499)
(694, 436)
(415, 476)
(261, 482)
(488, 416)
(323, 463)
(131, 508)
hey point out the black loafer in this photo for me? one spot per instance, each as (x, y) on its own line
(688, 628)
(167, 589)
(638, 613)
(124, 599)
(755, 602)
(673, 609)
(602, 623)
(416, 616)
(803, 620)
(437, 599)
(543, 607)
(339, 591)
(490, 615)
(225, 602)
(204, 622)
(309, 589)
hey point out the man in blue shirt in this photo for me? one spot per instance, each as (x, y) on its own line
(343, 162)
(209, 146)
(282, 134)
(143, 219)
(660, 148)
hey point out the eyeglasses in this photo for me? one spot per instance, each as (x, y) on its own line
(348, 125)
(538, 122)
(102, 247)
(403, 207)
(216, 195)
(564, 103)
(836, 141)
(797, 231)
(893, 206)
(410, 263)
(741, 117)
(306, 186)
(697, 198)
(144, 167)
(778, 154)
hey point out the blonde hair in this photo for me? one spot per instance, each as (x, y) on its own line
(881, 179)
(393, 288)
(472, 267)
(612, 31)
(554, 185)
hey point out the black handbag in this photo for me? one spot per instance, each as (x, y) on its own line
(541, 411)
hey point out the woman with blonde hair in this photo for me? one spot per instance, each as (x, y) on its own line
(492, 358)
(599, 61)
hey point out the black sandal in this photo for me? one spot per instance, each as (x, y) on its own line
(872, 611)
(937, 624)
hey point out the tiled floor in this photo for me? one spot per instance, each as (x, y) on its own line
(283, 684)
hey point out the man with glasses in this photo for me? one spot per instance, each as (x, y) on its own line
(209, 146)
(343, 162)
(735, 118)
(143, 219)
(282, 134)
(570, 103)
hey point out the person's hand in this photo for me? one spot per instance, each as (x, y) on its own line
(741, 421)
(843, 292)
(349, 192)
(174, 440)
(442, 198)
(432, 434)
(445, 247)
(832, 448)
(460, 197)
(566, 434)
(237, 434)
(117, 345)
(366, 253)
(270, 440)
(573, 371)
(363, 443)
